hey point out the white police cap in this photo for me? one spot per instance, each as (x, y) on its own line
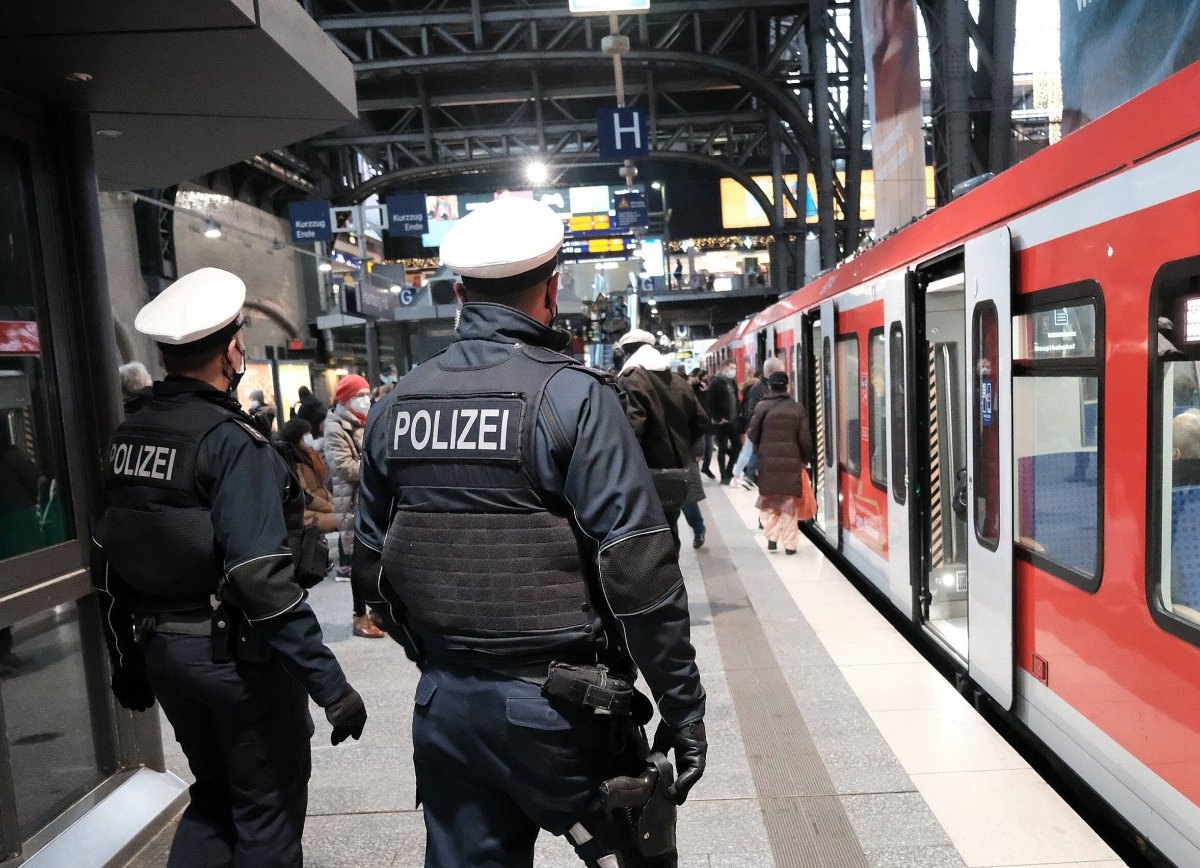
(502, 243)
(636, 336)
(197, 306)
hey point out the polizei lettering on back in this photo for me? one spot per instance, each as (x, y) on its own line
(142, 461)
(478, 428)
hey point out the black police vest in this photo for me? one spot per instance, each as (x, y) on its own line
(474, 551)
(157, 530)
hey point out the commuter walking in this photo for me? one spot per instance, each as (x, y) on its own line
(134, 378)
(722, 411)
(699, 383)
(780, 433)
(295, 445)
(745, 471)
(510, 538)
(667, 421)
(343, 456)
(199, 505)
(312, 410)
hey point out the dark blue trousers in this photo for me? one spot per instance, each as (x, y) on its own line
(245, 729)
(497, 761)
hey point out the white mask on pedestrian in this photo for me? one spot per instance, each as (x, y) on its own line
(361, 405)
(308, 441)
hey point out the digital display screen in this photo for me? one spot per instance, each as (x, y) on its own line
(1191, 319)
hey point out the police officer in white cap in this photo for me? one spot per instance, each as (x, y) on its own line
(507, 522)
(202, 582)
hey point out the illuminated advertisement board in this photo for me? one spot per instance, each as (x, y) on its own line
(740, 210)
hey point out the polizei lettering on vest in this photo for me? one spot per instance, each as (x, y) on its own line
(483, 428)
(142, 461)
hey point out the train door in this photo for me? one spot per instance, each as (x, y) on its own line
(989, 476)
(897, 290)
(827, 424)
(939, 456)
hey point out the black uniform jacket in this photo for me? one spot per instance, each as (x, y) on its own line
(242, 481)
(602, 474)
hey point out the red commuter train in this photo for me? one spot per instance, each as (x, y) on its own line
(1006, 404)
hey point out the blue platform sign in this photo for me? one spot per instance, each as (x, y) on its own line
(624, 133)
(631, 210)
(310, 221)
(406, 214)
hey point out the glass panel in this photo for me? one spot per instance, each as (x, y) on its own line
(34, 501)
(877, 404)
(1057, 491)
(1179, 587)
(987, 426)
(47, 714)
(1060, 333)
(849, 424)
(899, 426)
(827, 389)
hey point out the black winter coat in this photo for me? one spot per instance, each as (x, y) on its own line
(782, 442)
(665, 415)
(722, 400)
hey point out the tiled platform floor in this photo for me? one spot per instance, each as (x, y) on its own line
(923, 781)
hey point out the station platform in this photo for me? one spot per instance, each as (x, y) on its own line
(833, 742)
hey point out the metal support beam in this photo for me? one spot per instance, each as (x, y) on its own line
(855, 107)
(818, 58)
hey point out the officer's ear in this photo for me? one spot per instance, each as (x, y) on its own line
(552, 292)
(460, 292)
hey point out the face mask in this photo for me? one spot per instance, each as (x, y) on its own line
(235, 377)
(360, 405)
(730, 373)
(308, 441)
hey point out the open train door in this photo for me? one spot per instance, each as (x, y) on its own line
(897, 290)
(989, 455)
(829, 416)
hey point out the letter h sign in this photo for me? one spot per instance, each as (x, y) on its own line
(623, 133)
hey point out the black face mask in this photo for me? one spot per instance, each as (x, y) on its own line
(235, 377)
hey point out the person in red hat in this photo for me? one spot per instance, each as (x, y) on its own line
(343, 456)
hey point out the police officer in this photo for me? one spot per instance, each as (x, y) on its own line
(507, 520)
(200, 510)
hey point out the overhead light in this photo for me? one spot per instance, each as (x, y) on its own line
(396, 290)
(78, 76)
(657, 185)
(108, 134)
(211, 229)
(537, 172)
(325, 267)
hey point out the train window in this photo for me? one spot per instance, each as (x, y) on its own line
(877, 405)
(1173, 572)
(36, 511)
(986, 364)
(899, 428)
(849, 431)
(1056, 434)
(826, 393)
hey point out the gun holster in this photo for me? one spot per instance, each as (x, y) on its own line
(645, 797)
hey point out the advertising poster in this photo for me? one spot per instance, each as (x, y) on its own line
(1112, 50)
(894, 98)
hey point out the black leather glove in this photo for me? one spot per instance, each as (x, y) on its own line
(347, 716)
(132, 688)
(691, 752)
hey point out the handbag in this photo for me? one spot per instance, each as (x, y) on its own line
(806, 503)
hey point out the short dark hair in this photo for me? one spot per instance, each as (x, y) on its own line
(188, 359)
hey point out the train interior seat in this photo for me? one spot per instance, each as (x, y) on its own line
(1185, 546)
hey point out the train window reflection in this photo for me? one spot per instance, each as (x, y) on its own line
(1054, 446)
(34, 506)
(899, 432)
(1056, 436)
(1179, 585)
(877, 405)
(849, 431)
(987, 426)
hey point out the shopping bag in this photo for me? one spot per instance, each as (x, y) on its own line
(806, 503)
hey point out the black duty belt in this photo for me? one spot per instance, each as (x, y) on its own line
(197, 623)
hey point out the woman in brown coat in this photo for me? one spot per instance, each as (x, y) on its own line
(310, 468)
(783, 444)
